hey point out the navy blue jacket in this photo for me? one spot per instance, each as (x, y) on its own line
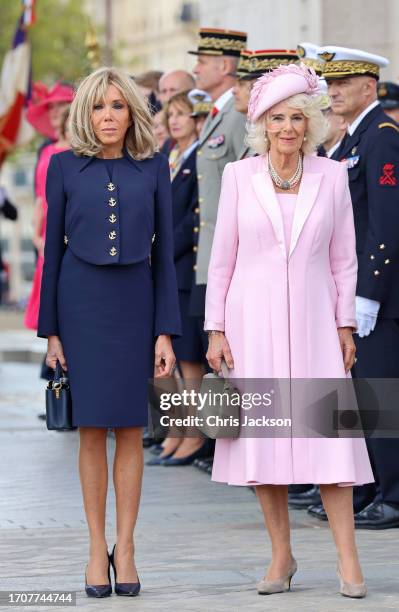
(185, 201)
(122, 221)
(372, 156)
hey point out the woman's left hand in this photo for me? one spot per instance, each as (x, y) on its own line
(348, 347)
(164, 357)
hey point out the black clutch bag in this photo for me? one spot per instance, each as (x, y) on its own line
(59, 402)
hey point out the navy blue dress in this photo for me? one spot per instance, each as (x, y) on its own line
(109, 283)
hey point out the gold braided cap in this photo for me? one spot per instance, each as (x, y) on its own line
(346, 68)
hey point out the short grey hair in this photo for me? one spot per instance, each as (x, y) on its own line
(317, 128)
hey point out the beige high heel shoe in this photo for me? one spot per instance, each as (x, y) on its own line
(269, 587)
(351, 590)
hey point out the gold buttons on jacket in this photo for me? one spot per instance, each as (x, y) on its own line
(196, 210)
(387, 261)
(112, 218)
(199, 152)
(372, 257)
(195, 249)
(112, 235)
(112, 202)
(376, 272)
(200, 200)
(196, 229)
(199, 176)
(110, 187)
(113, 251)
(202, 223)
(382, 246)
(194, 267)
(65, 240)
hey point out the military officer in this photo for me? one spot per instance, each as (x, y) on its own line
(370, 149)
(388, 95)
(251, 66)
(220, 141)
(308, 54)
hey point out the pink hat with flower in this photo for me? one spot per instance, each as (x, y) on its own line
(280, 84)
(37, 112)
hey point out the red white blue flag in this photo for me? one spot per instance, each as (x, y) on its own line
(15, 85)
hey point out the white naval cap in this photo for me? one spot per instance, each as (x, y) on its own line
(309, 54)
(343, 62)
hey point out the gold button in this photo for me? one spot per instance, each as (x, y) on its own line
(194, 267)
(112, 202)
(112, 235)
(112, 218)
(113, 251)
(195, 249)
(202, 223)
(372, 257)
(213, 156)
(110, 186)
(65, 240)
(382, 246)
(376, 272)
(196, 229)
(387, 261)
(199, 152)
(200, 200)
(199, 176)
(196, 210)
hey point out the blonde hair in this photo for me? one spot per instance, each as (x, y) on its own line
(139, 140)
(317, 125)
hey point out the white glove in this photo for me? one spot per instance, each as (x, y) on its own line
(366, 315)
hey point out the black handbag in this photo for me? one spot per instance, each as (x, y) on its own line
(59, 402)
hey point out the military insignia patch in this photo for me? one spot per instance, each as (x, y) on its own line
(388, 175)
(351, 162)
(327, 57)
(216, 141)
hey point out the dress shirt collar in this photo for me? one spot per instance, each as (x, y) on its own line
(332, 149)
(223, 99)
(189, 150)
(352, 127)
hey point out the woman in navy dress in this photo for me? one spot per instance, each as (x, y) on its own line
(109, 301)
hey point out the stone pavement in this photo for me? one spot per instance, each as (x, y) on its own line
(201, 546)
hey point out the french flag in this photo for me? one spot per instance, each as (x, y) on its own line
(15, 86)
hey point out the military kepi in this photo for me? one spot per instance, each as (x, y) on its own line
(341, 62)
(215, 41)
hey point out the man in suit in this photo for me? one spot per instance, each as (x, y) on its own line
(8, 210)
(370, 150)
(251, 66)
(220, 142)
(388, 95)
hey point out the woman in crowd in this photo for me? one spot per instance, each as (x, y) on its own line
(280, 303)
(109, 301)
(188, 349)
(39, 228)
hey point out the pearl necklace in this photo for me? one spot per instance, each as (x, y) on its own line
(286, 183)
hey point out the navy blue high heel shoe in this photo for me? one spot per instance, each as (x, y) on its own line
(128, 589)
(99, 590)
(202, 452)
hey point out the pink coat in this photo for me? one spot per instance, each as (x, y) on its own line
(280, 310)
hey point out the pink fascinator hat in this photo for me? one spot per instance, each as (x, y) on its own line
(280, 84)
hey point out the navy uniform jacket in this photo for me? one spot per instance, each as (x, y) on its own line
(110, 223)
(372, 157)
(185, 206)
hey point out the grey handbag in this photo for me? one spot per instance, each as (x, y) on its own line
(219, 419)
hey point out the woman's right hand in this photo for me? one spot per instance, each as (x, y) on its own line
(219, 349)
(55, 353)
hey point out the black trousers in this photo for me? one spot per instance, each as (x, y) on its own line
(378, 357)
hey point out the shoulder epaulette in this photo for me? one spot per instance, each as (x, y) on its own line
(387, 124)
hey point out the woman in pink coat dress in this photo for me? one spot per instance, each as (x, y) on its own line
(280, 303)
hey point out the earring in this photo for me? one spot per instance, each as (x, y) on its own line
(304, 139)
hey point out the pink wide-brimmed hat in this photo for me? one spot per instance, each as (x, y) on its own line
(37, 112)
(280, 84)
